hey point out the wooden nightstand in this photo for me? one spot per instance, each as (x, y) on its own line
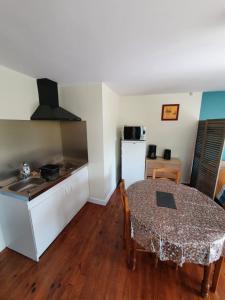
(160, 162)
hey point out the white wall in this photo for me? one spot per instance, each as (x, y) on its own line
(18, 95)
(2, 243)
(18, 100)
(179, 136)
(98, 105)
(106, 112)
(86, 102)
(111, 138)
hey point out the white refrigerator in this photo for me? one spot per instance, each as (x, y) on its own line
(133, 161)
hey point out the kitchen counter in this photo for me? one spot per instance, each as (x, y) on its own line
(67, 168)
(29, 227)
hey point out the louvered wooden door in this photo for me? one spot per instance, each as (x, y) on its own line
(212, 148)
(198, 152)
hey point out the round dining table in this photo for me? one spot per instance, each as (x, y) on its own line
(177, 223)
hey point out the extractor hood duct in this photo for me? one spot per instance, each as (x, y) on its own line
(49, 108)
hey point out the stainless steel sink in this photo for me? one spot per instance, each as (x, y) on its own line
(26, 184)
(33, 186)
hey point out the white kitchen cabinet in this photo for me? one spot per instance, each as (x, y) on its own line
(48, 219)
(45, 216)
(77, 193)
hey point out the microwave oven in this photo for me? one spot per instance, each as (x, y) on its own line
(135, 133)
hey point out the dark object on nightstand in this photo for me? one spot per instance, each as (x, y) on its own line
(167, 154)
(152, 152)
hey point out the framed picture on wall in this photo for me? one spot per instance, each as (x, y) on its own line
(170, 112)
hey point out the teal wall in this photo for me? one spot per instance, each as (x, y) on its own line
(213, 107)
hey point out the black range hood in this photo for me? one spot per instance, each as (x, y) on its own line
(49, 108)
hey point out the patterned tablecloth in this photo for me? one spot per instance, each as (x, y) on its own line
(194, 232)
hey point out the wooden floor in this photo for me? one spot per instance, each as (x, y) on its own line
(87, 261)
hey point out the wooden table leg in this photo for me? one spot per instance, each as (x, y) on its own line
(206, 281)
(156, 260)
(216, 274)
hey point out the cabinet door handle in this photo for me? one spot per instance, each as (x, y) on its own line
(67, 191)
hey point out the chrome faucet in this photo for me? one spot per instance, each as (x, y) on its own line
(25, 172)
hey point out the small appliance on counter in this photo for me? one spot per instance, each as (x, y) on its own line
(167, 154)
(152, 151)
(49, 172)
(134, 133)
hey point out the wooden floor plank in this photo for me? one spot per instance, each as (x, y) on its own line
(87, 261)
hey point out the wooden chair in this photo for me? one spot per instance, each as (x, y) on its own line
(217, 271)
(122, 193)
(216, 275)
(130, 244)
(122, 187)
(166, 173)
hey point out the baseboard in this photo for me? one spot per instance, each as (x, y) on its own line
(97, 201)
(2, 247)
(2, 242)
(109, 195)
(101, 201)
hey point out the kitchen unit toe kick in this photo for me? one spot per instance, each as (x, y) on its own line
(30, 227)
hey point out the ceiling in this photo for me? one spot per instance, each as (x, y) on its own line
(135, 46)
